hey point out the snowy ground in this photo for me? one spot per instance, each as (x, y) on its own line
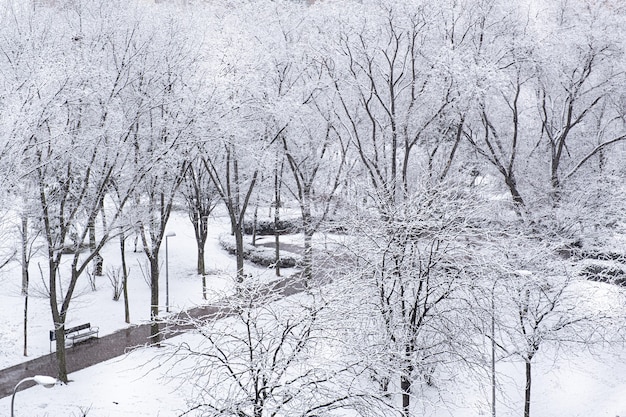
(97, 307)
(129, 386)
(587, 384)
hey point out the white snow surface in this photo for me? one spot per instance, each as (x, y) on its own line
(582, 384)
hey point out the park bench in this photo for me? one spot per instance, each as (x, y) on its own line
(75, 334)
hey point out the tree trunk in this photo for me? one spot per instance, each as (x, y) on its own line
(60, 351)
(307, 255)
(406, 381)
(154, 298)
(556, 188)
(277, 241)
(25, 279)
(202, 269)
(277, 182)
(201, 231)
(58, 318)
(405, 388)
(92, 235)
(24, 255)
(98, 261)
(26, 324)
(277, 249)
(124, 277)
(518, 201)
(527, 390)
(255, 221)
(239, 252)
(200, 222)
(309, 231)
(204, 287)
(493, 351)
(200, 264)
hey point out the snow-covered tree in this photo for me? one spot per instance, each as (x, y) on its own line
(268, 355)
(200, 198)
(315, 144)
(415, 264)
(73, 160)
(393, 94)
(163, 88)
(243, 129)
(536, 305)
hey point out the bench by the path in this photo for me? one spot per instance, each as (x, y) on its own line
(75, 334)
(84, 355)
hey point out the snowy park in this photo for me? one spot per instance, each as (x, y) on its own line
(313, 208)
(146, 382)
(119, 384)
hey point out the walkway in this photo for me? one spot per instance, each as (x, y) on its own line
(94, 351)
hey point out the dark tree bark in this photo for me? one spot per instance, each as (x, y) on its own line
(124, 277)
(278, 172)
(527, 388)
(25, 277)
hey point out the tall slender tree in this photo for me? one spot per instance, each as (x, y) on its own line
(163, 89)
(201, 198)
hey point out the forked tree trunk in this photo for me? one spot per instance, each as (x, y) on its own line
(229, 193)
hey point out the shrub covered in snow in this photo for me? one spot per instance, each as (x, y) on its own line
(605, 272)
(291, 226)
(267, 228)
(261, 255)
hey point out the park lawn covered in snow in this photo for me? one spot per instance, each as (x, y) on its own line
(577, 383)
(97, 307)
(587, 384)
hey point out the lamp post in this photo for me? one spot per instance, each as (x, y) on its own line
(167, 273)
(46, 381)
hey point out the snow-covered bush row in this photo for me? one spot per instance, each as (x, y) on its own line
(261, 255)
(267, 227)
